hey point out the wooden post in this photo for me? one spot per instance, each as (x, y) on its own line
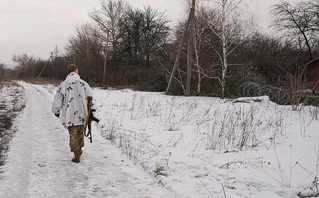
(190, 50)
(186, 35)
(46, 64)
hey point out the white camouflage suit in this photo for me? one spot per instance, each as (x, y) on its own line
(71, 99)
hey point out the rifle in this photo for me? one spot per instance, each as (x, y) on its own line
(89, 119)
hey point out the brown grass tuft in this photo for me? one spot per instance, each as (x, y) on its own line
(43, 81)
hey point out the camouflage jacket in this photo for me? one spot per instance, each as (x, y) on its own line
(70, 100)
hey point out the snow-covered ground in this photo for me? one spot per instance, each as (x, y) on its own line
(39, 161)
(154, 145)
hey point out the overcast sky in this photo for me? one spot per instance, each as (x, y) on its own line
(35, 27)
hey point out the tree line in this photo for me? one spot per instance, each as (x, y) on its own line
(127, 46)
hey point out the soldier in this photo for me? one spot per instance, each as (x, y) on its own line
(71, 100)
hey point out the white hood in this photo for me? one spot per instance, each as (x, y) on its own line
(72, 78)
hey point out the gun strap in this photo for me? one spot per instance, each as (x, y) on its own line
(88, 115)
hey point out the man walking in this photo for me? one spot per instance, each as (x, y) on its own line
(71, 100)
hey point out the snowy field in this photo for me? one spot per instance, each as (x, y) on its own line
(154, 145)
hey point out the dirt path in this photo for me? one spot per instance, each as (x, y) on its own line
(39, 162)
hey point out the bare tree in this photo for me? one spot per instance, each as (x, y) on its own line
(133, 33)
(229, 29)
(300, 23)
(23, 60)
(314, 10)
(143, 35)
(209, 57)
(119, 40)
(199, 38)
(155, 32)
(108, 20)
(28, 65)
(204, 39)
(87, 50)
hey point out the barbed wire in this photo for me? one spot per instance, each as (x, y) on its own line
(278, 95)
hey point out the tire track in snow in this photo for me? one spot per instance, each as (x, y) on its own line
(39, 162)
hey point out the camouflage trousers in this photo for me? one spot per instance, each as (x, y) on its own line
(76, 137)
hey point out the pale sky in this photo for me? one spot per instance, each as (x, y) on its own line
(35, 27)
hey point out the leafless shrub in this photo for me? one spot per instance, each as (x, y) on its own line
(111, 131)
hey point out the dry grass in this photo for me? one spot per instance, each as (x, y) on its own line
(160, 170)
(43, 81)
(8, 83)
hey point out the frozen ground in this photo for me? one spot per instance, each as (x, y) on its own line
(153, 145)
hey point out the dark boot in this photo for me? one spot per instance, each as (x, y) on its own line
(76, 158)
(81, 151)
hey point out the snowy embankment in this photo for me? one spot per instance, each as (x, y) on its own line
(194, 146)
(11, 104)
